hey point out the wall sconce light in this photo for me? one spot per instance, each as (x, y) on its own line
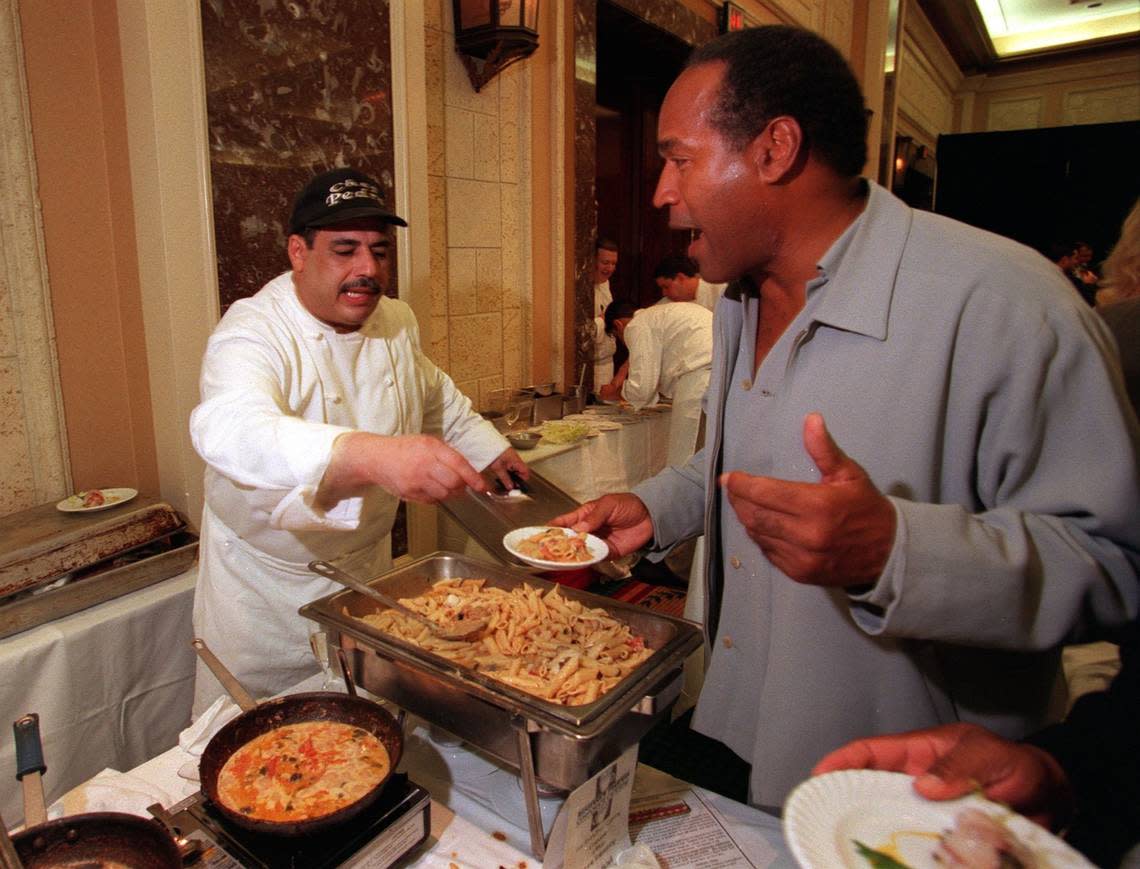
(490, 35)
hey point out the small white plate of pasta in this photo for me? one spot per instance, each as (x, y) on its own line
(555, 548)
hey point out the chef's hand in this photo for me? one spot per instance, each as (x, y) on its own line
(956, 759)
(838, 531)
(509, 461)
(621, 520)
(414, 467)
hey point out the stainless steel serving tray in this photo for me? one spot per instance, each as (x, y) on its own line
(569, 743)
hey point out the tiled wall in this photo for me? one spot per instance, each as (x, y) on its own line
(479, 202)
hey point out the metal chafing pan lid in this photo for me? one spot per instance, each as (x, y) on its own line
(488, 516)
(671, 639)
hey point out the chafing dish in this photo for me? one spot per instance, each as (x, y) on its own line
(561, 746)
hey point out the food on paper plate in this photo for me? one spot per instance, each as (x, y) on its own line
(548, 645)
(980, 840)
(302, 771)
(556, 544)
(977, 841)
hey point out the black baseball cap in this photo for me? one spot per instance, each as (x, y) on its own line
(337, 196)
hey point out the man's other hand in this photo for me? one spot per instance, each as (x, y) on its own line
(621, 520)
(838, 531)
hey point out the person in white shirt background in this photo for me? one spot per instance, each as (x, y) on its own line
(678, 277)
(605, 261)
(670, 355)
(319, 413)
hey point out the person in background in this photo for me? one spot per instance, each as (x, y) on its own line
(319, 412)
(670, 351)
(679, 279)
(1064, 255)
(1082, 268)
(920, 472)
(1081, 776)
(1118, 300)
(605, 345)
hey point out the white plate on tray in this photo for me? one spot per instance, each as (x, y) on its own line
(825, 815)
(111, 498)
(597, 547)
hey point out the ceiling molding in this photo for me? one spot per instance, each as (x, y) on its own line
(960, 27)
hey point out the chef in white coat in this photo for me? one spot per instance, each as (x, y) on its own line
(670, 355)
(679, 279)
(605, 345)
(319, 412)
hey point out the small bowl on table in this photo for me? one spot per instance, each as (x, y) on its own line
(524, 440)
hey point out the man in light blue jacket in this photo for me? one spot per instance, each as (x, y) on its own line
(921, 473)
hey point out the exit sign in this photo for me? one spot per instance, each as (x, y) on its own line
(731, 18)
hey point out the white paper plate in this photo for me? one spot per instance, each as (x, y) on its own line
(824, 816)
(112, 498)
(598, 548)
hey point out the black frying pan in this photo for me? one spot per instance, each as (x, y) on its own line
(90, 839)
(314, 706)
(98, 839)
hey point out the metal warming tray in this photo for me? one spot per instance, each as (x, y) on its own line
(568, 743)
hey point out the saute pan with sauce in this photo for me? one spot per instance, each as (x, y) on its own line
(279, 754)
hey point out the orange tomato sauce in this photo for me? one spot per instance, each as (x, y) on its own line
(302, 771)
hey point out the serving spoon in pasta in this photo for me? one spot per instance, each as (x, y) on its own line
(463, 628)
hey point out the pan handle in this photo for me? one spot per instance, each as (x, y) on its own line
(229, 682)
(30, 767)
(29, 748)
(349, 683)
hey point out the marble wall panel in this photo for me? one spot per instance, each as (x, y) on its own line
(19, 489)
(437, 244)
(433, 83)
(1101, 105)
(7, 326)
(293, 89)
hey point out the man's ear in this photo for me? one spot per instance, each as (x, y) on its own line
(778, 150)
(298, 252)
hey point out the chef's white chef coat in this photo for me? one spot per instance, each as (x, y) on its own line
(708, 294)
(670, 354)
(605, 346)
(278, 387)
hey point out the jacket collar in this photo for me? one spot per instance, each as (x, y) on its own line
(860, 268)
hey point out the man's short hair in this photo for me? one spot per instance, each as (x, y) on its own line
(781, 70)
(617, 311)
(676, 264)
(605, 244)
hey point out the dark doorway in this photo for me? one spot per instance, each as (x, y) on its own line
(636, 63)
(1039, 186)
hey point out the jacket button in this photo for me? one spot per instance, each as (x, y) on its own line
(727, 641)
(735, 562)
(746, 384)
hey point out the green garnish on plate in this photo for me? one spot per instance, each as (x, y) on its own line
(878, 859)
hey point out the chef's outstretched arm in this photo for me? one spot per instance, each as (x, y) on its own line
(414, 467)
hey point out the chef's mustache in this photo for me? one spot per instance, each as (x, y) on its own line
(361, 284)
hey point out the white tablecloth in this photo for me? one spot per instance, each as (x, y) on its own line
(478, 815)
(613, 461)
(112, 685)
